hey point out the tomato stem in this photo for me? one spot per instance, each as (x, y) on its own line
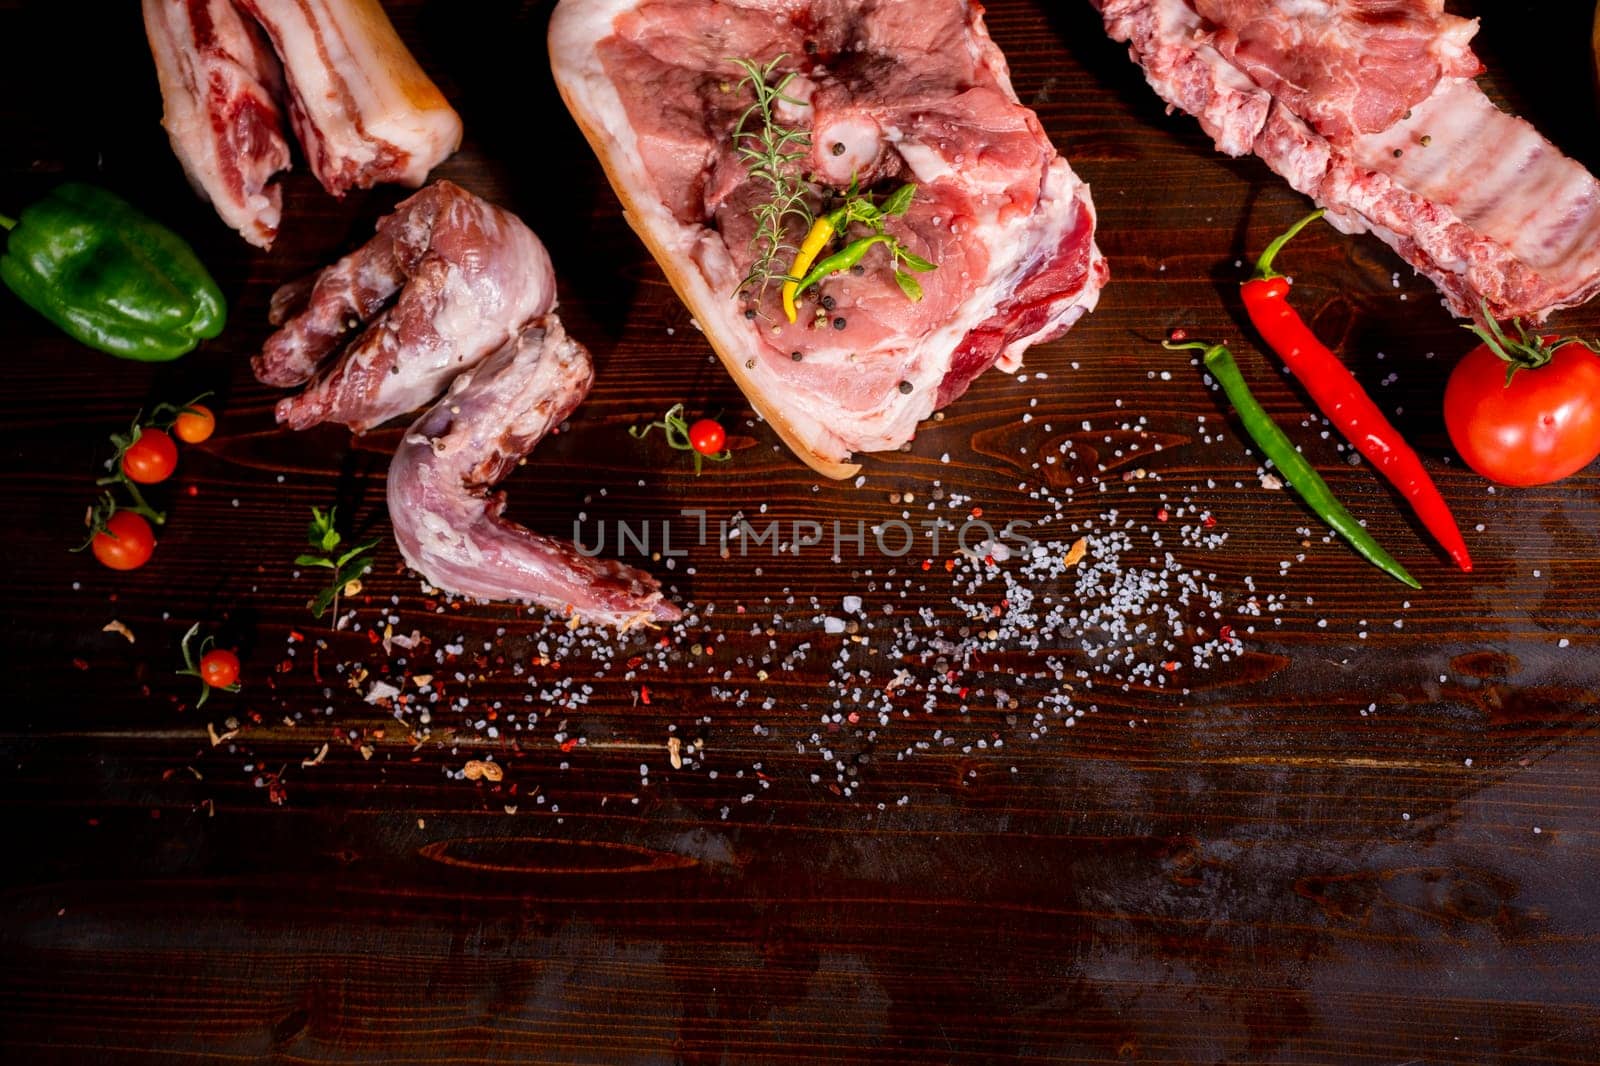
(1528, 352)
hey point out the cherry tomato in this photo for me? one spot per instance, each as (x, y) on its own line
(1542, 426)
(707, 437)
(151, 458)
(194, 424)
(126, 542)
(219, 668)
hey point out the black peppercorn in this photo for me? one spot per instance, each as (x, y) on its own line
(839, 323)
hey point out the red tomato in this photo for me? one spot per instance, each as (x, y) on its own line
(706, 437)
(194, 424)
(151, 458)
(1539, 428)
(126, 542)
(219, 668)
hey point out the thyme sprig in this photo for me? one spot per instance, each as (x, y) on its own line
(772, 152)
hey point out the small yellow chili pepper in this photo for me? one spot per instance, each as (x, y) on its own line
(821, 233)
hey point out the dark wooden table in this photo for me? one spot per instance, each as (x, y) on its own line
(1369, 835)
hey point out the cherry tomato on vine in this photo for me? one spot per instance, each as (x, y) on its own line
(151, 458)
(126, 543)
(707, 437)
(194, 424)
(1541, 425)
(219, 668)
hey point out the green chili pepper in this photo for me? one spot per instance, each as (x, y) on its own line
(1294, 466)
(110, 276)
(840, 261)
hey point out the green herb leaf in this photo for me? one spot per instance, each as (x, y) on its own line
(899, 201)
(908, 285)
(914, 261)
(346, 566)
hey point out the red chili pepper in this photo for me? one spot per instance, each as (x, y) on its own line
(1338, 394)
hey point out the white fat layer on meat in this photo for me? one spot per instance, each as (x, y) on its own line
(361, 90)
(1541, 206)
(191, 82)
(1487, 209)
(814, 417)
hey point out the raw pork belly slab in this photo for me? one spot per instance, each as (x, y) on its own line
(220, 85)
(891, 92)
(231, 71)
(1369, 107)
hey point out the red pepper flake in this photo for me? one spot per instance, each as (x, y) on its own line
(285, 666)
(194, 490)
(569, 744)
(1225, 633)
(1179, 335)
(81, 664)
(1208, 521)
(977, 512)
(635, 662)
(949, 565)
(316, 665)
(961, 694)
(644, 695)
(373, 636)
(927, 564)
(295, 635)
(853, 717)
(1163, 514)
(1170, 665)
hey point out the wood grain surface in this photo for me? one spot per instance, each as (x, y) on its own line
(1366, 834)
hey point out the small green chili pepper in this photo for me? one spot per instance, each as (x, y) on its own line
(110, 276)
(1294, 466)
(840, 261)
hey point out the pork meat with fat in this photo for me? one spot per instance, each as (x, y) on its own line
(363, 110)
(1369, 107)
(887, 93)
(220, 85)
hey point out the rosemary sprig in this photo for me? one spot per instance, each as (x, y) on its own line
(772, 152)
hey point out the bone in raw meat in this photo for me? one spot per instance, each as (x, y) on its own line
(1368, 106)
(467, 274)
(889, 92)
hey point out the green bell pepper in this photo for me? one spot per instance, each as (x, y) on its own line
(110, 276)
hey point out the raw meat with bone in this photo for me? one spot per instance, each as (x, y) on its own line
(896, 91)
(467, 274)
(220, 85)
(1368, 107)
(449, 526)
(475, 296)
(363, 109)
